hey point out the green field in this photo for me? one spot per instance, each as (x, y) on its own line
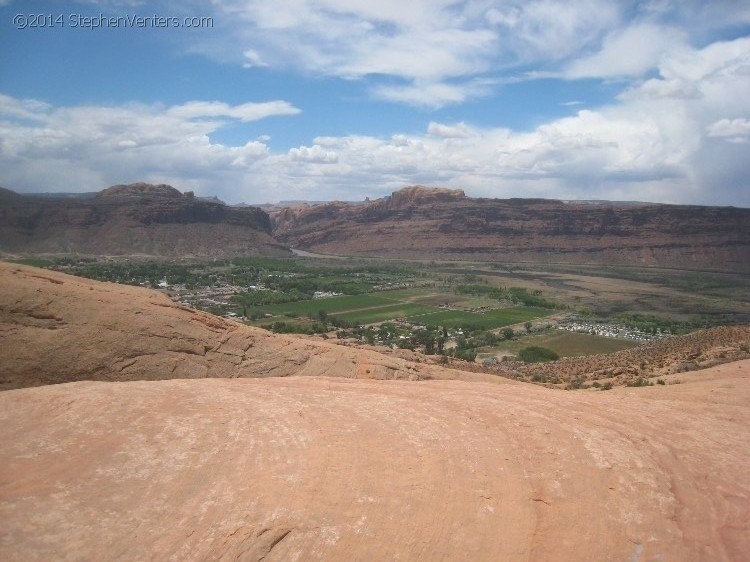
(381, 307)
(567, 344)
(331, 305)
(383, 313)
(486, 321)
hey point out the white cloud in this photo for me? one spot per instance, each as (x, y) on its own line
(82, 148)
(460, 130)
(659, 88)
(244, 112)
(253, 59)
(733, 130)
(663, 138)
(629, 52)
(444, 52)
(22, 109)
(544, 30)
(441, 51)
(315, 153)
(432, 95)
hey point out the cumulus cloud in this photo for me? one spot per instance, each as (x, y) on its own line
(662, 139)
(315, 153)
(441, 52)
(459, 130)
(629, 52)
(82, 148)
(734, 130)
(434, 53)
(677, 131)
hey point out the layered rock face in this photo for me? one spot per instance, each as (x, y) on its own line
(419, 222)
(136, 219)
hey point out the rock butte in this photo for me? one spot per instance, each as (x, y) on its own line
(415, 222)
(335, 468)
(432, 223)
(137, 219)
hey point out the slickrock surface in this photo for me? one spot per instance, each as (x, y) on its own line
(59, 328)
(341, 469)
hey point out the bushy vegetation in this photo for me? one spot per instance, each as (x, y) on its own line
(653, 324)
(513, 295)
(137, 272)
(536, 354)
(640, 381)
(281, 327)
(472, 322)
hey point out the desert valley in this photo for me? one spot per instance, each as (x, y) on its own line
(425, 376)
(325, 280)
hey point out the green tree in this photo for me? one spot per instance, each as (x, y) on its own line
(536, 354)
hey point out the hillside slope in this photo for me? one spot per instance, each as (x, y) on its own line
(59, 328)
(136, 219)
(432, 223)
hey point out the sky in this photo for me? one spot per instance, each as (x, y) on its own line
(262, 101)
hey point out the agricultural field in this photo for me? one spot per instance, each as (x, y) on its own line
(332, 305)
(383, 313)
(566, 344)
(480, 321)
(398, 305)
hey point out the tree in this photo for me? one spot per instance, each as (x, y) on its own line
(508, 333)
(527, 325)
(536, 354)
(370, 335)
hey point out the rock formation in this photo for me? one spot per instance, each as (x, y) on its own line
(136, 219)
(419, 222)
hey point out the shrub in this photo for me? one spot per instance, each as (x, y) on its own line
(575, 384)
(536, 354)
(640, 381)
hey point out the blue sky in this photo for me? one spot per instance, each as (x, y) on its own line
(346, 99)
